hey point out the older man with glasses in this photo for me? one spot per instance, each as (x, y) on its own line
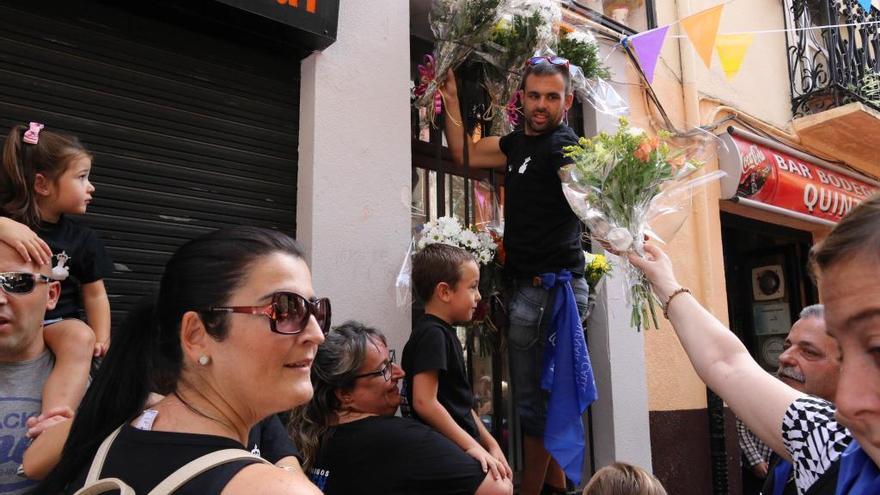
(26, 293)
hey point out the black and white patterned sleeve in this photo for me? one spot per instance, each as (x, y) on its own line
(814, 439)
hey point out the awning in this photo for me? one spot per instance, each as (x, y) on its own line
(772, 176)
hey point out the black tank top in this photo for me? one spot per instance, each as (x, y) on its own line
(142, 459)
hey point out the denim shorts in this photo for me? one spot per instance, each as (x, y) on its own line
(525, 341)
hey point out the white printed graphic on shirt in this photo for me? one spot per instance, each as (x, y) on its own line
(522, 168)
(59, 271)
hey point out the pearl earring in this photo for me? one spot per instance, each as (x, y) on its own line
(203, 360)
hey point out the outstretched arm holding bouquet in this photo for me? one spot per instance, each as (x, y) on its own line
(718, 356)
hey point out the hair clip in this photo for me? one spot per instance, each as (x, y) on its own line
(32, 135)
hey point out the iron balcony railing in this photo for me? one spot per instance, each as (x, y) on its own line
(832, 66)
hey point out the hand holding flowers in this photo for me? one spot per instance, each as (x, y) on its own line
(619, 182)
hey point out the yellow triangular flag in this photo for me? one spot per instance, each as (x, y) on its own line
(731, 50)
(701, 29)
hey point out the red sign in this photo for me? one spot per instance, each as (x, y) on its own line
(780, 179)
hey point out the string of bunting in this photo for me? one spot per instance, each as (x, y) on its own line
(701, 29)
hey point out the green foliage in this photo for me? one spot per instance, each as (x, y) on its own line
(517, 38)
(583, 54)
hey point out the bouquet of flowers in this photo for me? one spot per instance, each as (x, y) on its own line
(448, 230)
(459, 27)
(595, 269)
(514, 38)
(621, 182)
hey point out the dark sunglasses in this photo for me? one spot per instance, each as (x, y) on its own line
(386, 369)
(21, 282)
(548, 60)
(288, 313)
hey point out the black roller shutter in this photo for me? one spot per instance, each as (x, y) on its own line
(192, 127)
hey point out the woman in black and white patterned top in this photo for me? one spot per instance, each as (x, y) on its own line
(800, 428)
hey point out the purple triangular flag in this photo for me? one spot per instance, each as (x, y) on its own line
(647, 46)
(866, 4)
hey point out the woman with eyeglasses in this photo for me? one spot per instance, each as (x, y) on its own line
(230, 340)
(353, 443)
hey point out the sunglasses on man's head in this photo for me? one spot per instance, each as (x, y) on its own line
(548, 60)
(21, 282)
(288, 313)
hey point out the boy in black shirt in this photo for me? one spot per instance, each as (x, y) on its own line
(447, 279)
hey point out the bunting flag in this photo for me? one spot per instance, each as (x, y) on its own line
(731, 50)
(702, 29)
(866, 4)
(647, 46)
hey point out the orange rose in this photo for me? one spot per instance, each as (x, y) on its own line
(647, 146)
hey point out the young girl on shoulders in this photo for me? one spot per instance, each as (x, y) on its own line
(44, 178)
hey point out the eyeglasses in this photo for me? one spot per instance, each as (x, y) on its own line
(386, 369)
(545, 60)
(288, 313)
(21, 282)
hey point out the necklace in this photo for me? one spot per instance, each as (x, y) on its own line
(196, 411)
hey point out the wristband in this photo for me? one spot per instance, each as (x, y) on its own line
(680, 290)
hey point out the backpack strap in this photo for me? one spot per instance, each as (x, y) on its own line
(198, 466)
(104, 486)
(100, 456)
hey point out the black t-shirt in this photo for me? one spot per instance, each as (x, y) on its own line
(89, 261)
(541, 233)
(387, 455)
(143, 459)
(433, 345)
(269, 440)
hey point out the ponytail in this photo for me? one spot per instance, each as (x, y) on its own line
(116, 395)
(21, 164)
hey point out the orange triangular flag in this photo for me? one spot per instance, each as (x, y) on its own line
(731, 50)
(701, 29)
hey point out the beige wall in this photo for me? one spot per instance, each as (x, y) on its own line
(695, 95)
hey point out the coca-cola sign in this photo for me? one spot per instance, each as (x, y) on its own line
(789, 180)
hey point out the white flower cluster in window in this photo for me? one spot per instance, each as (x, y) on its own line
(448, 230)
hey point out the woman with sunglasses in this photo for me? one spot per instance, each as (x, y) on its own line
(229, 341)
(351, 440)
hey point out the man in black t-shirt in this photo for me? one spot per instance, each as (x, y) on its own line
(541, 235)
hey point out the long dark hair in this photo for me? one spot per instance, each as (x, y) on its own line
(21, 164)
(146, 354)
(337, 362)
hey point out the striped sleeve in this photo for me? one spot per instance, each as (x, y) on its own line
(814, 439)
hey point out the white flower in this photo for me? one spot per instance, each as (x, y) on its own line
(581, 36)
(588, 257)
(636, 131)
(469, 240)
(620, 239)
(449, 226)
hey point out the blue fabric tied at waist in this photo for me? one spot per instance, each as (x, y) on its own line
(568, 375)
